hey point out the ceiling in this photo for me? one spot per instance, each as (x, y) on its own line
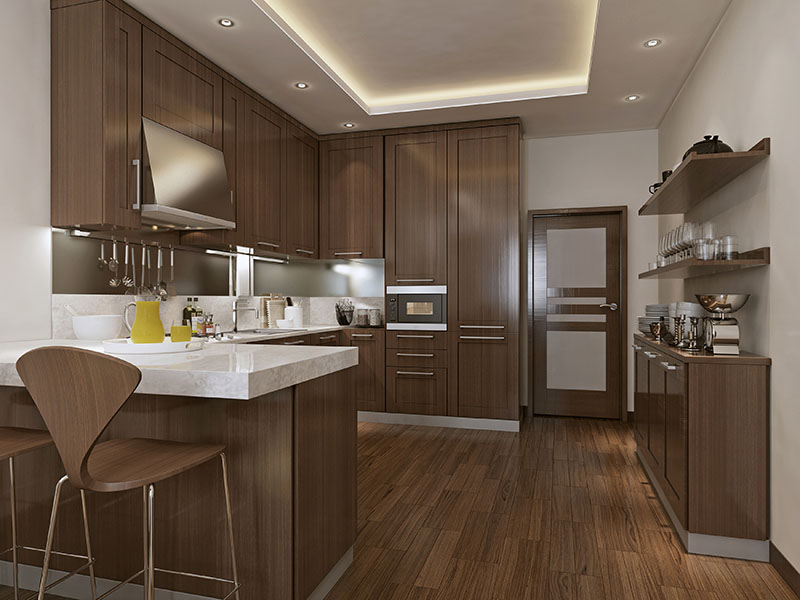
(410, 59)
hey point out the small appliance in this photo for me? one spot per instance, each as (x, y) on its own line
(416, 307)
(722, 330)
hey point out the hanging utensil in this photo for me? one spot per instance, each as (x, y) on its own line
(160, 288)
(113, 263)
(101, 261)
(171, 290)
(126, 280)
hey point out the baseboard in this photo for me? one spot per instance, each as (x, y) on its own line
(709, 545)
(333, 576)
(77, 586)
(784, 568)
(631, 416)
(438, 421)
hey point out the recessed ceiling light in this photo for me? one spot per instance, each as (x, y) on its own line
(225, 22)
(348, 125)
(652, 43)
(632, 98)
(301, 85)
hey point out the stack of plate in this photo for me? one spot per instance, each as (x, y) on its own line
(653, 314)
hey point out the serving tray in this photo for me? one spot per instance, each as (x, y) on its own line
(126, 346)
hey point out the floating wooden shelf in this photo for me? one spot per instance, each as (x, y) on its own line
(699, 176)
(693, 267)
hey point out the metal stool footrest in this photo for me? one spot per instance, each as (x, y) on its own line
(235, 585)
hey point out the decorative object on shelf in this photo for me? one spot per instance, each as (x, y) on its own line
(710, 144)
(659, 330)
(344, 311)
(721, 329)
(664, 176)
(728, 247)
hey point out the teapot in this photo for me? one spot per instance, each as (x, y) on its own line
(147, 327)
(710, 144)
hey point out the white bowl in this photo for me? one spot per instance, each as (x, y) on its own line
(285, 323)
(97, 327)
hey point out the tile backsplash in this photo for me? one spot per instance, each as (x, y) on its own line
(316, 311)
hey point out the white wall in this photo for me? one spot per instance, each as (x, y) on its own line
(25, 170)
(608, 169)
(746, 87)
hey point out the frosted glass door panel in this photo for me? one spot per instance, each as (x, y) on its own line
(576, 258)
(576, 318)
(576, 360)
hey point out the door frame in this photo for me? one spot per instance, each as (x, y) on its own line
(622, 212)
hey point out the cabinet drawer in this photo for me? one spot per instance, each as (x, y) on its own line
(295, 340)
(416, 357)
(329, 338)
(416, 340)
(419, 391)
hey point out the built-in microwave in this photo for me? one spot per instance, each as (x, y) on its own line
(416, 307)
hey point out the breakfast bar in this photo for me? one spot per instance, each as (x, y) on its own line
(287, 416)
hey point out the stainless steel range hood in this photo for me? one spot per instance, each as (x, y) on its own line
(186, 183)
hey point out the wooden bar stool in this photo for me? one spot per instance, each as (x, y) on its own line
(78, 392)
(15, 441)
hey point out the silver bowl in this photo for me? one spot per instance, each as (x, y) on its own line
(722, 303)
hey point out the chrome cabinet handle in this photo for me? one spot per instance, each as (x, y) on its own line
(612, 306)
(482, 326)
(348, 253)
(415, 373)
(138, 164)
(294, 343)
(327, 337)
(428, 280)
(482, 337)
(414, 337)
(650, 354)
(301, 251)
(635, 347)
(269, 244)
(415, 355)
(364, 335)
(669, 367)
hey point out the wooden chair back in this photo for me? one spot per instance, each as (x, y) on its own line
(77, 392)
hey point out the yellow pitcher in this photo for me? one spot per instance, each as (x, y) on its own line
(147, 327)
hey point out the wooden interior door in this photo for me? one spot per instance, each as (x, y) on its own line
(577, 307)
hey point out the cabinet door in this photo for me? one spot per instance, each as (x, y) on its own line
(641, 397)
(657, 379)
(484, 376)
(263, 183)
(233, 110)
(416, 209)
(180, 92)
(351, 198)
(483, 228)
(302, 193)
(96, 116)
(370, 390)
(416, 390)
(676, 463)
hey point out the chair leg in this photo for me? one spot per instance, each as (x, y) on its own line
(14, 542)
(50, 532)
(150, 566)
(145, 539)
(89, 557)
(230, 522)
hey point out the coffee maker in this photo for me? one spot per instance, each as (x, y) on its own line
(722, 330)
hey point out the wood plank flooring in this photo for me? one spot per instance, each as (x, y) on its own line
(561, 510)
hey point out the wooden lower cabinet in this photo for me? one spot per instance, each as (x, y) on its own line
(329, 338)
(416, 390)
(369, 384)
(484, 376)
(701, 428)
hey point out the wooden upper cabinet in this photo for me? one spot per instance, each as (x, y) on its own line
(416, 209)
(483, 228)
(302, 193)
(96, 116)
(180, 92)
(351, 198)
(262, 177)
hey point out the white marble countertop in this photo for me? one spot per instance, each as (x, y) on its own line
(222, 370)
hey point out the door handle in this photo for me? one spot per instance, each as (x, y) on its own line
(294, 343)
(416, 373)
(138, 164)
(301, 251)
(650, 354)
(268, 244)
(635, 347)
(669, 367)
(612, 306)
(413, 355)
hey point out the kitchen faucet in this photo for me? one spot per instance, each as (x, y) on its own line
(237, 309)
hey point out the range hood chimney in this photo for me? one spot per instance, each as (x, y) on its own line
(186, 183)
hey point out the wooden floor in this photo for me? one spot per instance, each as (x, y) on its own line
(560, 510)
